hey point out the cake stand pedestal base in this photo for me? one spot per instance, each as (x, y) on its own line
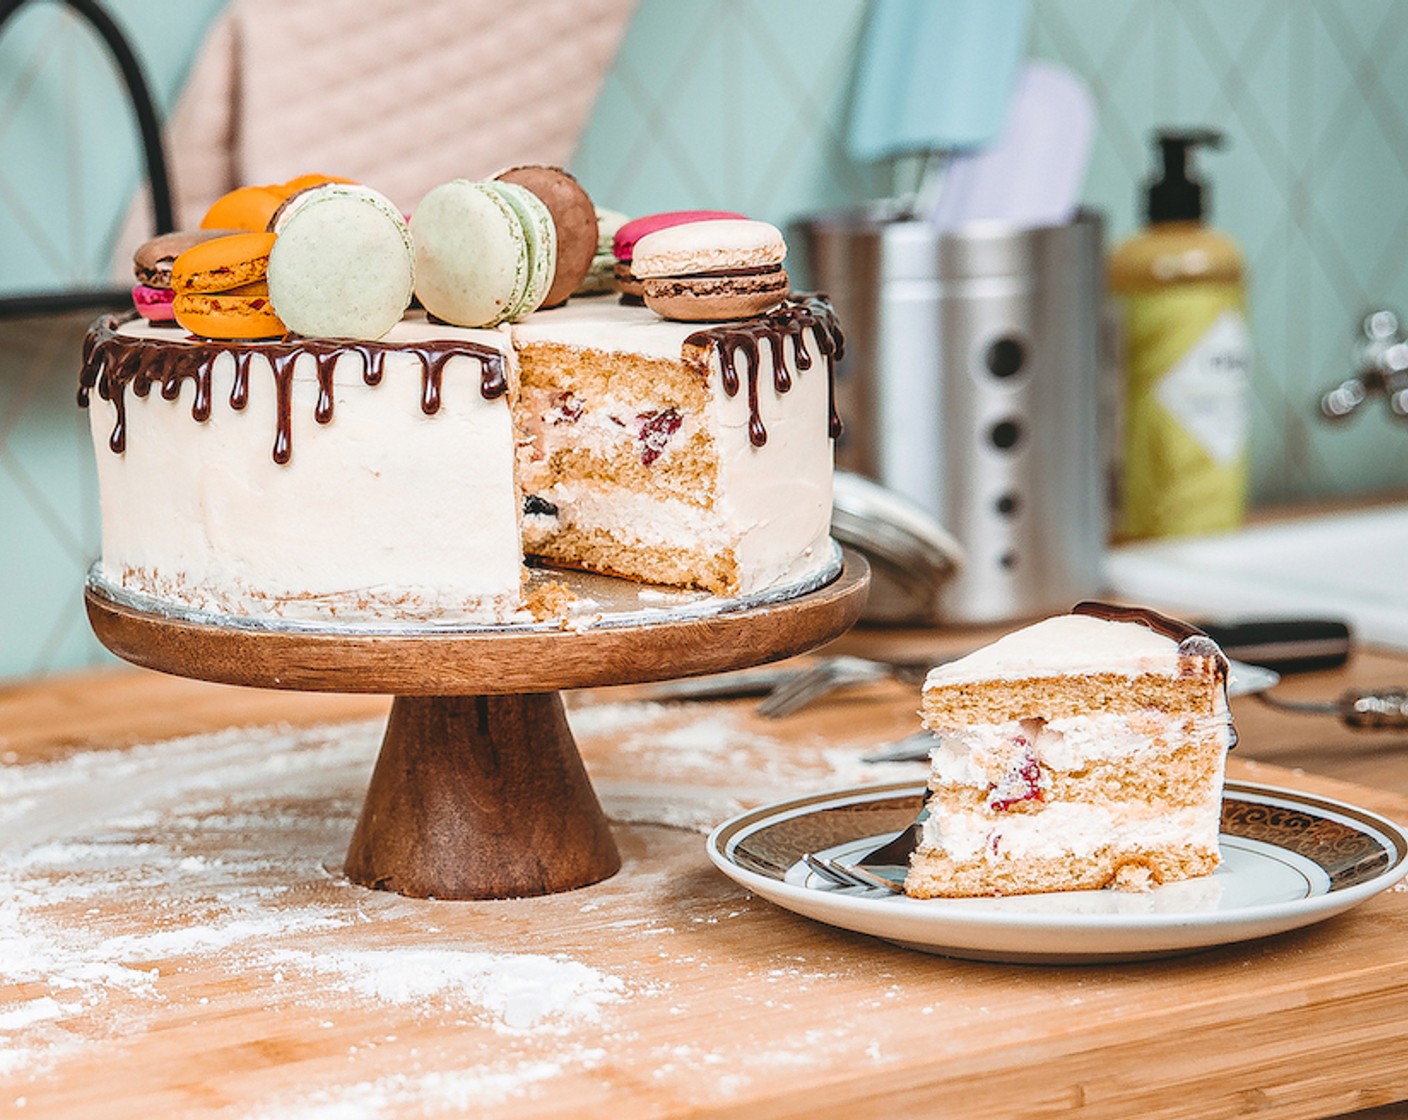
(480, 797)
(479, 791)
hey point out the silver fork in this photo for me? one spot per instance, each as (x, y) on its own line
(867, 872)
(831, 673)
(842, 875)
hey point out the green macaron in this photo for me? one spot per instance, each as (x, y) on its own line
(540, 236)
(341, 266)
(484, 252)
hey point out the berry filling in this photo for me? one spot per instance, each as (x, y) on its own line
(653, 430)
(1020, 784)
(566, 409)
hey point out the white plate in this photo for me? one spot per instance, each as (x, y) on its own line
(1289, 859)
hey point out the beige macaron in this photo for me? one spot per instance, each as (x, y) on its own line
(713, 270)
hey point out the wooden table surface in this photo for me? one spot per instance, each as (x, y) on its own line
(176, 936)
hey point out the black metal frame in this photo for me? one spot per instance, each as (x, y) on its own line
(140, 98)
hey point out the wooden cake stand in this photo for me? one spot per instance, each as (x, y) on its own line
(479, 791)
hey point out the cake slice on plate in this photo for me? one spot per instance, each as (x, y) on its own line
(1081, 752)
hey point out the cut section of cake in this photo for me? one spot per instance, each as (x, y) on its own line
(1082, 752)
(676, 453)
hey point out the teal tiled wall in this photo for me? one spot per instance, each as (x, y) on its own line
(70, 158)
(748, 112)
(741, 104)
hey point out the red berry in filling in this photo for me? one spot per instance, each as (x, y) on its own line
(1022, 782)
(567, 409)
(654, 430)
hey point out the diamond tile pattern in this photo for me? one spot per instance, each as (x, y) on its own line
(742, 104)
(1313, 98)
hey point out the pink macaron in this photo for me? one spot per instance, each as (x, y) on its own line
(154, 304)
(623, 245)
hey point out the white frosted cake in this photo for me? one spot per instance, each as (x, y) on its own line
(1082, 752)
(331, 479)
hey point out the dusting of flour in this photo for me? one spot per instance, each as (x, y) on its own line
(140, 888)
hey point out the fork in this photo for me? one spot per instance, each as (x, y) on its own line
(831, 673)
(867, 872)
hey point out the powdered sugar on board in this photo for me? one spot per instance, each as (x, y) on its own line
(142, 889)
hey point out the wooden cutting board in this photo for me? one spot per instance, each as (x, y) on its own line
(176, 938)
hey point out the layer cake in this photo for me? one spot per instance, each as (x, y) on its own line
(389, 480)
(1082, 752)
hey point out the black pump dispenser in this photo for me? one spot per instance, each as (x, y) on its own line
(1177, 196)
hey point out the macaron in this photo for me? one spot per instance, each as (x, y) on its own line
(342, 264)
(483, 252)
(152, 261)
(712, 270)
(574, 222)
(540, 242)
(221, 288)
(151, 265)
(624, 243)
(155, 305)
(245, 208)
(253, 208)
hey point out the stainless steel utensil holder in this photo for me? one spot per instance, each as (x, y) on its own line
(972, 385)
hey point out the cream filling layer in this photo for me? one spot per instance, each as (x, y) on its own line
(650, 523)
(604, 426)
(984, 754)
(1068, 828)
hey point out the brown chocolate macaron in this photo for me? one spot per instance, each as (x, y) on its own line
(573, 214)
(152, 261)
(713, 270)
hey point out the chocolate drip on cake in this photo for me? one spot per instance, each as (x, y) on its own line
(1192, 642)
(112, 362)
(739, 345)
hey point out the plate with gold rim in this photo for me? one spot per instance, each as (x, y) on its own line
(1289, 859)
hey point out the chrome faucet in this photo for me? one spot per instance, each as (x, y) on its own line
(1381, 364)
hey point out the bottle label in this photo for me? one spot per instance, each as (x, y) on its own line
(1188, 363)
(1206, 391)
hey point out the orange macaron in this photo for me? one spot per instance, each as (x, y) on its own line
(247, 208)
(252, 208)
(222, 288)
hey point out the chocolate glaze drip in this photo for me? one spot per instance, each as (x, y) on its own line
(113, 362)
(1191, 641)
(738, 344)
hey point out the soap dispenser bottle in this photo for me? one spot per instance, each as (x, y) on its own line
(1187, 356)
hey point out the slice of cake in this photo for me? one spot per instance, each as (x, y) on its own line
(1082, 752)
(678, 453)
